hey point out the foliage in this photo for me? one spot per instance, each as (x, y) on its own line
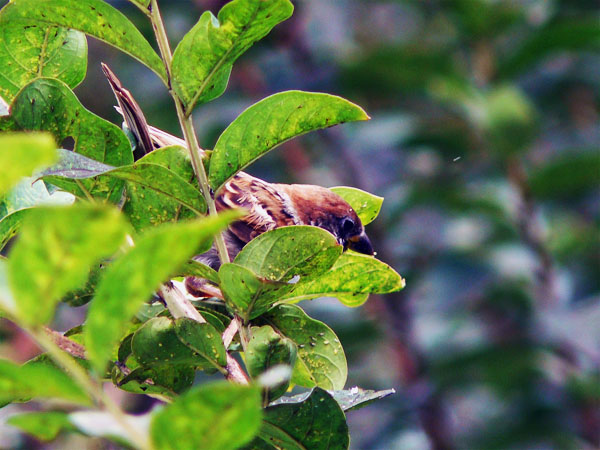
(131, 227)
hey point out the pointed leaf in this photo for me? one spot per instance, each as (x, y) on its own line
(202, 60)
(21, 154)
(203, 339)
(191, 269)
(249, 295)
(318, 423)
(37, 380)
(366, 206)
(33, 50)
(273, 121)
(282, 253)
(93, 17)
(321, 360)
(351, 277)
(48, 104)
(132, 278)
(45, 426)
(216, 416)
(54, 253)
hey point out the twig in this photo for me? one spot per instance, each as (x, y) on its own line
(66, 344)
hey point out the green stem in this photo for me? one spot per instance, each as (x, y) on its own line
(92, 388)
(187, 126)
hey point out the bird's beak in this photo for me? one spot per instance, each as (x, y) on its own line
(361, 244)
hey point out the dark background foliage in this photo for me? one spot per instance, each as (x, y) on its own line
(484, 141)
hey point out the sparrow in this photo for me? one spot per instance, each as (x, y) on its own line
(269, 205)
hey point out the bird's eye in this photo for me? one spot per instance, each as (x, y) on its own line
(347, 225)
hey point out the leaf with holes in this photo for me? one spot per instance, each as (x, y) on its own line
(272, 121)
(30, 50)
(321, 360)
(202, 61)
(93, 17)
(49, 105)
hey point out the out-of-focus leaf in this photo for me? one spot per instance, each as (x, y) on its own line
(104, 424)
(21, 154)
(510, 120)
(272, 121)
(37, 380)
(84, 295)
(202, 61)
(54, 253)
(286, 252)
(556, 36)
(49, 104)
(568, 177)
(249, 295)
(351, 277)
(265, 350)
(230, 417)
(132, 278)
(32, 50)
(45, 426)
(317, 423)
(321, 360)
(366, 206)
(93, 17)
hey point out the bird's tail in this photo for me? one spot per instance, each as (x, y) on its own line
(147, 137)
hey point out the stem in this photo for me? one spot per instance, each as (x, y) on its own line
(92, 388)
(187, 126)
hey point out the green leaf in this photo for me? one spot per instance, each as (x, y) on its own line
(213, 416)
(348, 399)
(84, 295)
(351, 277)
(556, 36)
(202, 61)
(321, 360)
(247, 294)
(30, 50)
(282, 253)
(11, 224)
(570, 176)
(54, 253)
(265, 350)
(21, 154)
(155, 194)
(37, 380)
(203, 339)
(93, 17)
(272, 121)
(133, 277)
(45, 426)
(366, 206)
(164, 341)
(48, 104)
(166, 380)
(318, 423)
(193, 269)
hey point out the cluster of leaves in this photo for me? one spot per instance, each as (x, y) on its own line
(126, 228)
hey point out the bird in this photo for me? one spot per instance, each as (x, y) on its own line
(268, 205)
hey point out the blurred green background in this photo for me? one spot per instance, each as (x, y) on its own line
(485, 142)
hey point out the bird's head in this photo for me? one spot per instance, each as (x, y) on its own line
(323, 208)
